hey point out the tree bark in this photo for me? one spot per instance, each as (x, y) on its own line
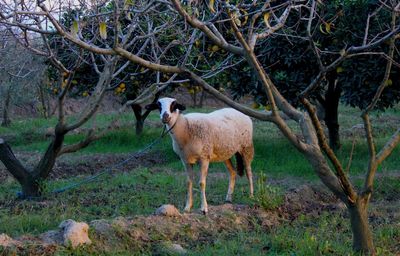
(137, 110)
(30, 181)
(6, 118)
(362, 235)
(42, 98)
(30, 187)
(46, 163)
(331, 106)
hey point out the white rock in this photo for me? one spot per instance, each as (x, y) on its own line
(168, 210)
(169, 248)
(6, 241)
(75, 233)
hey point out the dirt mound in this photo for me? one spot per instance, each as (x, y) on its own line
(75, 165)
(309, 199)
(92, 164)
(150, 234)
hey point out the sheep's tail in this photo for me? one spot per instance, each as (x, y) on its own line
(239, 164)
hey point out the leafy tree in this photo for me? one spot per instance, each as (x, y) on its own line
(354, 82)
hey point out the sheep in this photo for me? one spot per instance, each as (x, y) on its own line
(205, 138)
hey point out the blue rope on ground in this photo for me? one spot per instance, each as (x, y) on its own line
(117, 165)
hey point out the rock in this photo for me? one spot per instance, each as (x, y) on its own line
(168, 210)
(52, 237)
(6, 241)
(70, 233)
(168, 248)
(75, 233)
(101, 226)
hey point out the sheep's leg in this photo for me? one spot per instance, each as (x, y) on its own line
(249, 175)
(248, 155)
(232, 177)
(203, 175)
(189, 182)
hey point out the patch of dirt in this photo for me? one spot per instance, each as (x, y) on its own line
(75, 165)
(311, 200)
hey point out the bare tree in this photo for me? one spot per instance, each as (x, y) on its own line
(18, 70)
(241, 42)
(107, 67)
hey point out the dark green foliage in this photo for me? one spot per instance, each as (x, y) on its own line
(289, 60)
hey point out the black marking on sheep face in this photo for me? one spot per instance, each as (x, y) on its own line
(168, 109)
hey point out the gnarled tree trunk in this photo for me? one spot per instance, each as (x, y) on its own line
(31, 181)
(362, 235)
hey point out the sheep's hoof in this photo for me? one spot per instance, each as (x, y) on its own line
(204, 212)
(186, 210)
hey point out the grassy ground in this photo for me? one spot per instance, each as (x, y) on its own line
(143, 189)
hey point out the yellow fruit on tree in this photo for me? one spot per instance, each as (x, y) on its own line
(255, 105)
(214, 48)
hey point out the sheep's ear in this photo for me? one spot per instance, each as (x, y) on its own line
(179, 106)
(151, 106)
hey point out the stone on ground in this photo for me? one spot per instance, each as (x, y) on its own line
(168, 210)
(70, 233)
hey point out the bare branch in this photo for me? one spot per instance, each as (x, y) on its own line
(389, 147)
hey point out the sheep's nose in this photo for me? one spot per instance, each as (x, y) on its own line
(165, 118)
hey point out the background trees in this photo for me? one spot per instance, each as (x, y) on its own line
(20, 71)
(289, 58)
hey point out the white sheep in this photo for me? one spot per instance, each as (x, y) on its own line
(205, 138)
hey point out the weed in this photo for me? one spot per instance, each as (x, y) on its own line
(266, 196)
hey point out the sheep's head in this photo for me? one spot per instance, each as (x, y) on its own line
(169, 109)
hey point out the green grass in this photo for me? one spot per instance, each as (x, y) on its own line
(142, 190)
(324, 235)
(124, 194)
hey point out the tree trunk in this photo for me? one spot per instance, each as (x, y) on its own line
(30, 188)
(6, 118)
(331, 106)
(43, 107)
(362, 235)
(137, 110)
(30, 181)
